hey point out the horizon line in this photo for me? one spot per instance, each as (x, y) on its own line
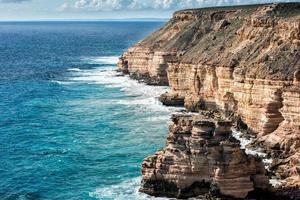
(84, 20)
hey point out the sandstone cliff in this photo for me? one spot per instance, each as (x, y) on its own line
(244, 61)
(202, 157)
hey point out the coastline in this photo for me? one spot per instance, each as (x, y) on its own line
(208, 83)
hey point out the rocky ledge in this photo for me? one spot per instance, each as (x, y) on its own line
(244, 61)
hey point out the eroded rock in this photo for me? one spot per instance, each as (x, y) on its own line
(202, 157)
(242, 60)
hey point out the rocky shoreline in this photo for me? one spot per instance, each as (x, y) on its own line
(234, 67)
(201, 157)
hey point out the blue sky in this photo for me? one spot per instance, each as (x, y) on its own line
(105, 9)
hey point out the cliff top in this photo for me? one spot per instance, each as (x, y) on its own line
(241, 7)
(260, 41)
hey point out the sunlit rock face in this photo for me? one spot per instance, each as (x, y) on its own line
(242, 60)
(200, 157)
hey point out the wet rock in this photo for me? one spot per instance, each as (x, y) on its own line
(170, 100)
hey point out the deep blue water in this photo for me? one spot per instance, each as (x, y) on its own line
(69, 127)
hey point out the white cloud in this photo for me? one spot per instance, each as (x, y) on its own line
(109, 5)
(129, 4)
(137, 5)
(99, 4)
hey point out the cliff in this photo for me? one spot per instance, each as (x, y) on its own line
(202, 157)
(244, 61)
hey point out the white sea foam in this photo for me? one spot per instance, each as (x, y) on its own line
(102, 60)
(63, 82)
(74, 69)
(274, 181)
(245, 141)
(108, 77)
(122, 191)
(139, 94)
(162, 118)
(147, 103)
(143, 95)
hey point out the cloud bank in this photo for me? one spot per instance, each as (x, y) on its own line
(110, 5)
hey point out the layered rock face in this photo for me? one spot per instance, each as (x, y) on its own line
(242, 60)
(146, 65)
(201, 156)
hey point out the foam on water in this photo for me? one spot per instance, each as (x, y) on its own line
(63, 82)
(160, 118)
(111, 78)
(145, 95)
(246, 141)
(128, 189)
(275, 182)
(74, 69)
(102, 60)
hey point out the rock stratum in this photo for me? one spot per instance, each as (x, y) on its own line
(243, 61)
(202, 157)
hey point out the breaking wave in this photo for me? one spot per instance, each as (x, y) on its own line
(244, 142)
(101, 60)
(74, 69)
(125, 190)
(107, 76)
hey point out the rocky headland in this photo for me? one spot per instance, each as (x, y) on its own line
(244, 63)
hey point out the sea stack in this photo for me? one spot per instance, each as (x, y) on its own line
(243, 61)
(202, 157)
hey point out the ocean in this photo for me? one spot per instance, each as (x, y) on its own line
(71, 128)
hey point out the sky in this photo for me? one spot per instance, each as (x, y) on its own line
(106, 9)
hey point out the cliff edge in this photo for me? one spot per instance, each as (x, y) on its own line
(244, 61)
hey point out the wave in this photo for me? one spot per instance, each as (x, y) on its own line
(245, 142)
(274, 181)
(63, 82)
(108, 60)
(125, 190)
(74, 69)
(158, 118)
(111, 78)
(137, 94)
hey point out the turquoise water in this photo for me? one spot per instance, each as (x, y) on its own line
(70, 128)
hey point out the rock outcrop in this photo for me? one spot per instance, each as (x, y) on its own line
(242, 60)
(202, 157)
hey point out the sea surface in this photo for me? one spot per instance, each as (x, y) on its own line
(70, 127)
